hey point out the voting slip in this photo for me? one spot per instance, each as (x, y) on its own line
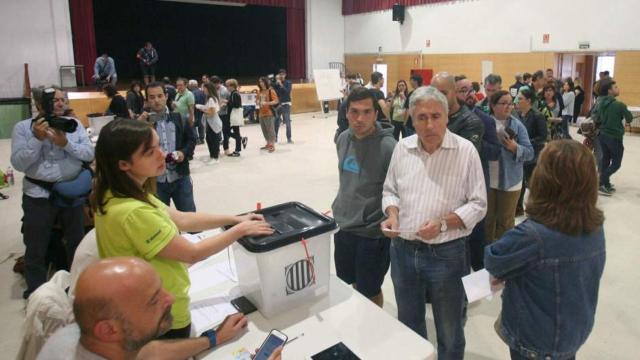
(477, 285)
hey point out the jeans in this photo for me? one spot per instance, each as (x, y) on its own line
(566, 119)
(612, 151)
(398, 127)
(37, 223)
(180, 191)
(226, 130)
(477, 242)
(418, 269)
(527, 171)
(200, 127)
(284, 115)
(213, 142)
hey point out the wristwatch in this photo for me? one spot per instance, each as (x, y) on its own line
(211, 334)
(443, 225)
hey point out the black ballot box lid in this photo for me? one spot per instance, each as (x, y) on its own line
(291, 222)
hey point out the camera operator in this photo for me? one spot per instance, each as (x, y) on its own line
(51, 150)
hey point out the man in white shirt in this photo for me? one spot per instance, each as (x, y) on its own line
(433, 195)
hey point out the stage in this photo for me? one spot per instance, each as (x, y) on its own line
(87, 100)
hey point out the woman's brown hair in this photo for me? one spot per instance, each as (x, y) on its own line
(564, 189)
(119, 140)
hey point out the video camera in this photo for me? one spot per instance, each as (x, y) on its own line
(65, 124)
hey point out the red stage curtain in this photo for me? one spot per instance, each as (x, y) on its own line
(351, 7)
(295, 4)
(296, 54)
(84, 36)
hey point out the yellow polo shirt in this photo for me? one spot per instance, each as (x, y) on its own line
(130, 227)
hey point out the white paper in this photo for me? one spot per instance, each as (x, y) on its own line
(204, 278)
(206, 314)
(477, 285)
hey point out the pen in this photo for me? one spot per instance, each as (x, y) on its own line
(293, 339)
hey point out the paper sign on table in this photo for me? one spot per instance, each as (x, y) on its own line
(208, 313)
(477, 285)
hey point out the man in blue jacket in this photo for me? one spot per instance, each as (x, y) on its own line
(48, 156)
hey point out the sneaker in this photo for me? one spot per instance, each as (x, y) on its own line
(266, 147)
(213, 161)
(227, 152)
(611, 188)
(245, 140)
(289, 141)
(603, 190)
(271, 148)
(234, 154)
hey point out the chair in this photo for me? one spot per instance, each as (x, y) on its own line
(48, 309)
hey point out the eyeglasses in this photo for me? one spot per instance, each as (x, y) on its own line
(505, 103)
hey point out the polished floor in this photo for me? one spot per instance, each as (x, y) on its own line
(306, 171)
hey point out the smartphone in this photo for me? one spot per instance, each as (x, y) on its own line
(243, 305)
(273, 341)
(510, 132)
(339, 351)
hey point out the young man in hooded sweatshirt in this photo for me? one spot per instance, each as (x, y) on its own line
(610, 114)
(364, 152)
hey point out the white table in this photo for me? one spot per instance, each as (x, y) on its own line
(343, 315)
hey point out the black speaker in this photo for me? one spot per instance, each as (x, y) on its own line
(398, 13)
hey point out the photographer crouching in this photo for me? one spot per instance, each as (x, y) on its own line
(53, 151)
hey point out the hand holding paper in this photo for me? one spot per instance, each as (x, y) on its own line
(480, 285)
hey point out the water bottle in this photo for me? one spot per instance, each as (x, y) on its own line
(10, 177)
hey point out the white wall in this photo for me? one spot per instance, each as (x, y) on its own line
(324, 34)
(37, 32)
(486, 26)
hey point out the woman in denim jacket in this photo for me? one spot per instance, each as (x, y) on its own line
(552, 262)
(505, 174)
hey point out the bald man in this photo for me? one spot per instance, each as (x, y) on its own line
(462, 121)
(120, 308)
(490, 151)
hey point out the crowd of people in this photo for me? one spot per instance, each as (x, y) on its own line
(444, 199)
(432, 206)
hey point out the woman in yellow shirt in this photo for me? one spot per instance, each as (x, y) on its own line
(131, 221)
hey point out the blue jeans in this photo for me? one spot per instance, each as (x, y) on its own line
(612, 151)
(180, 191)
(284, 115)
(418, 269)
(566, 119)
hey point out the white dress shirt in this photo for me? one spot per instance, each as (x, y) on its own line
(427, 186)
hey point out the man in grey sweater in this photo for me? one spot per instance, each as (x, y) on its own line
(364, 152)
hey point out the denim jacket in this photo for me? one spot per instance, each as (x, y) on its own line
(511, 164)
(551, 288)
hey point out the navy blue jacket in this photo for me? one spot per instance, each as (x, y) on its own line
(491, 147)
(284, 91)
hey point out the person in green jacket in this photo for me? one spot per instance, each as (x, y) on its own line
(610, 115)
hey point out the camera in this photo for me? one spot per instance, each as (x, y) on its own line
(65, 124)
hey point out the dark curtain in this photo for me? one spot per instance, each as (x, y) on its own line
(84, 38)
(351, 7)
(296, 54)
(193, 39)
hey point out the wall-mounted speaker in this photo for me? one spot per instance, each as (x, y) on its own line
(398, 12)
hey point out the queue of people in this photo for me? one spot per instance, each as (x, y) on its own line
(430, 206)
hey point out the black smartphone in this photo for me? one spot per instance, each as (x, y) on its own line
(272, 342)
(510, 132)
(243, 305)
(339, 351)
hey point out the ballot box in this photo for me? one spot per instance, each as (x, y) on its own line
(290, 267)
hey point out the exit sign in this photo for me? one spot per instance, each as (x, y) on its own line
(584, 45)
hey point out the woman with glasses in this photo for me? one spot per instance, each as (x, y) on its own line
(506, 173)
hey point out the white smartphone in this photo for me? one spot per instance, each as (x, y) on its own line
(273, 341)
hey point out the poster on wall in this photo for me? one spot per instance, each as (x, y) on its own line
(328, 84)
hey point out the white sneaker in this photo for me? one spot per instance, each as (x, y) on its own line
(212, 161)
